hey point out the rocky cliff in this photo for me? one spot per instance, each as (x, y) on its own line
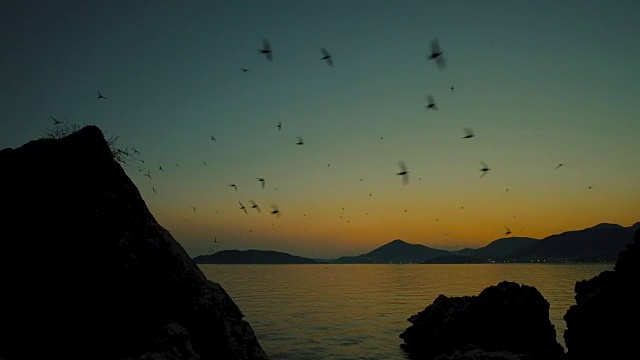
(86, 272)
(603, 322)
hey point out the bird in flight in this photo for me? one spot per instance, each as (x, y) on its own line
(452, 88)
(154, 189)
(559, 166)
(437, 54)
(242, 207)
(100, 96)
(55, 121)
(469, 133)
(266, 50)
(148, 175)
(262, 181)
(255, 206)
(485, 169)
(275, 210)
(300, 141)
(326, 56)
(508, 231)
(431, 103)
(403, 172)
(212, 138)
(233, 186)
(193, 207)
(245, 70)
(279, 126)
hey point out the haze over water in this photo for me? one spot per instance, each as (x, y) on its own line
(358, 311)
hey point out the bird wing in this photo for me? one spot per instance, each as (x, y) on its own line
(330, 61)
(468, 131)
(266, 45)
(325, 52)
(441, 62)
(403, 166)
(435, 46)
(431, 99)
(484, 165)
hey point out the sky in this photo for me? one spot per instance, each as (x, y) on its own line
(540, 83)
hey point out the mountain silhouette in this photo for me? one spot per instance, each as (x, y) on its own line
(252, 257)
(396, 251)
(499, 248)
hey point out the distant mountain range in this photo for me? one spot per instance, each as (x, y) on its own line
(600, 243)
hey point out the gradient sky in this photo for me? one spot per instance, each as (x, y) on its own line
(539, 82)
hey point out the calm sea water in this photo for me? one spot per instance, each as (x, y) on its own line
(358, 311)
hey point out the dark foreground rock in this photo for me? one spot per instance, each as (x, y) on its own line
(604, 322)
(87, 273)
(506, 321)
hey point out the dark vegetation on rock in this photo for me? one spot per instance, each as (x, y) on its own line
(86, 272)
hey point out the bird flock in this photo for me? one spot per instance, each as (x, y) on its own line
(435, 55)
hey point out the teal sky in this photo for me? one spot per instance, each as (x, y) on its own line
(539, 82)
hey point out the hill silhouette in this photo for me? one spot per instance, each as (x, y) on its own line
(252, 257)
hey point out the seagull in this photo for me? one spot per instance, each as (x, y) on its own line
(242, 207)
(326, 56)
(55, 121)
(279, 126)
(485, 169)
(262, 181)
(508, 232)
(212, 138)
(245, 70)
(233, 186)
(469, 133)
(300, 141)
(403, 172)
(432, 103)
(266, 50)
(558, 167)
(437, 54)
(100, 96)
(275, 210)
(255, 206)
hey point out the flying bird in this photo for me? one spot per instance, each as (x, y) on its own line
(55, 121)
(558, 167)
(266, 50)
(431, 103)
(437, 54)
(326, 56)
(244, 70)
(452, 88)
(160, 168)
(262, 181)
(255, 206)
(193, 207)
(242, 207)
(233, 186)
(485, 169)
(212, 138)
(508, 231)
(279, 126)
(148, 175)
(300, 141)
(469, 133)
(275, 210)
(100, 96)
(403, 172)
(154, 189)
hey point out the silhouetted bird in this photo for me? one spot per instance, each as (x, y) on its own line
(255, 206)
(262, 181)
(160, 168)
(300, 141)
(154, 190)
(469, 133)
(100, 96)
(452, 88)
(233, 186)
(431, 103)
(55, 121)
(212, 138)
(590, 187)
(266, 50)
(135, 151)
(279, 126)
(403, 172)
(242, 207)
(245, 70)
(508, 232)
(558, 167)
(148, 175)
(193, 207)
(485, 169)
(204, 163)
(326, 56)
(275, 210)
(437, 54)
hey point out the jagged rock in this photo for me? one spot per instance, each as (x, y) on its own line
(603, 322)
(87, 272)
(508, 318)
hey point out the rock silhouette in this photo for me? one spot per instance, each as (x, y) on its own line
(87, 272)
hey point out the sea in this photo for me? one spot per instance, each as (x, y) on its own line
(358, 311)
